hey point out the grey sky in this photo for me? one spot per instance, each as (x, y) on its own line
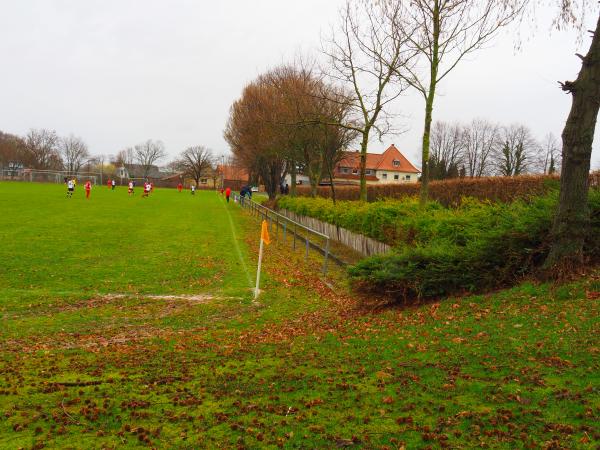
(119, 72)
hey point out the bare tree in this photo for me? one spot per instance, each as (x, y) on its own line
(550, 155)
(41, 146)
(147, 153)
(196, 162)
(515, 151)
(12, 153)
(479, 140)
(447, 150)
(125, 157)
(365, 54)
(74, 153)
(443, 32)
(254, 136)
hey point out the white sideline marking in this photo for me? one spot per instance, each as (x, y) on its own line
(237, 246)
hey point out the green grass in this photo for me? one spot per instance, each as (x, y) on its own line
(91, 359)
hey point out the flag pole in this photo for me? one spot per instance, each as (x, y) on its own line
(260, 252)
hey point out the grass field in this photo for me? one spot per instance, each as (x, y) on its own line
(129, 322)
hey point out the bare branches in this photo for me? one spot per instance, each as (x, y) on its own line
(196, 162)
(42, 149)
(147, 153)
(74, 152)
(365, 54)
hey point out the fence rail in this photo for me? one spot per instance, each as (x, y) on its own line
(301, 235)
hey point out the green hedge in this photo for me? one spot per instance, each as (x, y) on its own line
(474, 248)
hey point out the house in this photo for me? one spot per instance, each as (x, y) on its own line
(232, 176)
(388, 167)
(139, 171)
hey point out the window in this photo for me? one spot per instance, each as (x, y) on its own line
(396, 177)
(354, 171)
(407, 177)
(396, 163)
(368, 172)
(203, 180)
(344, 170)
(384, 176)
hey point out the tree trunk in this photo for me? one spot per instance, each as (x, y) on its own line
(293, 178)
(429, 104)
(330, 171)
(572, 216)
(363, 164)
(425, 154)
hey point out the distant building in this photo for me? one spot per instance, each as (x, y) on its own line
(232, 176)
(388, 167)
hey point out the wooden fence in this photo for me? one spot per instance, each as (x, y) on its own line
(362, 244)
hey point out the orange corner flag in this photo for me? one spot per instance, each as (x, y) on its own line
(264, 234)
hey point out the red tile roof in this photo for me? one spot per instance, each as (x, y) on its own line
(383, 161)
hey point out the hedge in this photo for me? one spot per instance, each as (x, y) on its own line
(449, 192)
(489, 246)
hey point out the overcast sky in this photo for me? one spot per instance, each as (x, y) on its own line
(120, 72)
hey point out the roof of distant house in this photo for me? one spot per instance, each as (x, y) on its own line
(383, 161)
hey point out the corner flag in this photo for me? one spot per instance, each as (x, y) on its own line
(264, 238)
(264, 233)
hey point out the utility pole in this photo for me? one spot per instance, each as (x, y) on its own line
(222, 171)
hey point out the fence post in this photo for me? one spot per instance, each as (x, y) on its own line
(326, 257)
(284, 230)
(294, 235)
(307, 244)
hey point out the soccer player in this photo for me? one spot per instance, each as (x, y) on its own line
(113, 183)
(179, 187)
(147, 188)
(193, 188)
(88, 188)
(108, 183)
(70, 188)
(227, 194)
(130, 188)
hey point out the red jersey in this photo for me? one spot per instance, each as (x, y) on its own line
(88, 186)
(228, 192)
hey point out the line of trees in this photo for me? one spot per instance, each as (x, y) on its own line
(286, 121)
(43, 149)
(481, 148)
(381, 48)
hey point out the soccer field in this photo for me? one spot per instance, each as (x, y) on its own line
(168, 243)
(129, 322)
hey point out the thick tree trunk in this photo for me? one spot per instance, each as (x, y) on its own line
(572, 216)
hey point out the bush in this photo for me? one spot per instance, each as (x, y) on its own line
(476, 248)
(450, 192)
